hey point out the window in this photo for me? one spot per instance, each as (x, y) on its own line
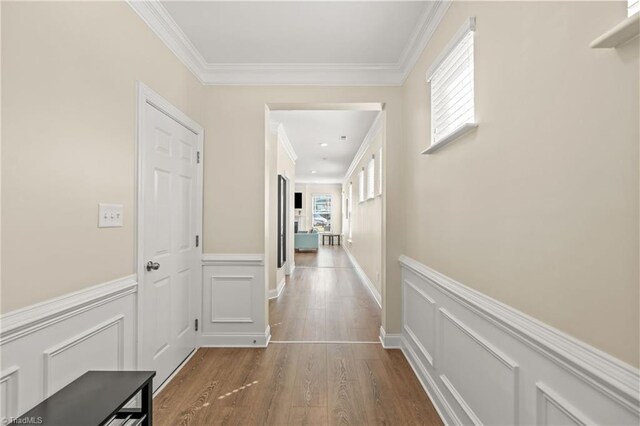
(633, 7)
(349, 202)
(361, 185)
(321, 209)
(452, 88)
(380, 172)
(371, 178)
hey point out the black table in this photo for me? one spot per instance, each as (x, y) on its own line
(95, 398)
(331, 238)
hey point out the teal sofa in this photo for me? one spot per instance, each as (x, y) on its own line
(306, 241)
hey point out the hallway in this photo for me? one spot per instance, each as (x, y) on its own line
(324, 300)
(304, 383)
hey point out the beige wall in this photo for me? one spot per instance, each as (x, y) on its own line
(538, 207)
(366, 219)
(308, 191)
(234, 168)
(68, 140)
(287, 168)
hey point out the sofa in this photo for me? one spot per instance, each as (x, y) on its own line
(306, 241)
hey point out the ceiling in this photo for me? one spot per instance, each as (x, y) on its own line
(295, 42)
(306, 130)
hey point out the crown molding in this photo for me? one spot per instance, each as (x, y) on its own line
(375, 128)
(386, 74)
(278, 129)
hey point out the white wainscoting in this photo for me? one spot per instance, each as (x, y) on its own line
(47, 345)
(483, 362)
(233, 301)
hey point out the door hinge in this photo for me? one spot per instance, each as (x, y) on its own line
(198, 157)
(197, 240)
(196, 324)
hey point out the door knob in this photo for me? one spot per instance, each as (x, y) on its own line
(152, 266)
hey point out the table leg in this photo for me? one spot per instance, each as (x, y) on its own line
(147, 403)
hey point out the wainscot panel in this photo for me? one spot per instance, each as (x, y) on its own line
(48, 345)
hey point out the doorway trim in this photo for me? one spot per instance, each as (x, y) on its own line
(145, 95)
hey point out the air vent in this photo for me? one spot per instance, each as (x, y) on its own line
(343, 138)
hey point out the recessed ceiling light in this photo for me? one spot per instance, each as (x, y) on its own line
(313, 172)
(324, 144)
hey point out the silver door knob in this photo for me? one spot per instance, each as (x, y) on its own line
(153, 266)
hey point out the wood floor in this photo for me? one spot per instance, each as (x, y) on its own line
(296, 384)
(289, 383)
(324, 300)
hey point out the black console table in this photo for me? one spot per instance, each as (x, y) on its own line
(96, 398)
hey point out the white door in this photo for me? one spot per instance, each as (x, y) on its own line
(170, 191)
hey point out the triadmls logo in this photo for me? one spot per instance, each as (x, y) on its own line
(23, 420)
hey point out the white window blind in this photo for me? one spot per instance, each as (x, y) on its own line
(633, 7)
(371, 178)
(361, 187)
(452, 88)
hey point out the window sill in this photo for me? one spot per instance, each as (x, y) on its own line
(464, 129)
(620, 34)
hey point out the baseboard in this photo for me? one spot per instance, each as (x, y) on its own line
(482, 361)
(47, 345)
(235, 340)
(364, 278)
(429, 386)
(175, 372)
(274, 293)
(390, 340)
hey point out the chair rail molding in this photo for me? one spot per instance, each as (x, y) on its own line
(232, 259)
(21, 322)
(449, 330)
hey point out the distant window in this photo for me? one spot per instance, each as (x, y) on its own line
(633, 7)
(371, 178)
(361, 187)
(452, 88)
(350, 203)
(380, 172)
(321, 210)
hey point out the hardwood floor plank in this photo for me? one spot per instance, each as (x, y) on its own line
(380, 401)
(346, 405)
(301, 416)
(310, 388)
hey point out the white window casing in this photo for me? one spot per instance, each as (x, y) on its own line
(371, 178)
(350, 202)
(633, 7)
(380, 172)
(451, 78)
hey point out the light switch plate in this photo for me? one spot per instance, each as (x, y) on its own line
(109, 215)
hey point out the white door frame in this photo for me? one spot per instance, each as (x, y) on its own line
(148, 96)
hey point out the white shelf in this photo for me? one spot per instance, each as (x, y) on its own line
(620, 34)
(465, 128)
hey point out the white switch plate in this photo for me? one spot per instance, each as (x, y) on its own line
(109, 215)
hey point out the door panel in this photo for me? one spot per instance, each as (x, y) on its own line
(170, 187)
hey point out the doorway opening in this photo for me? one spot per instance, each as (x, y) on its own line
(324, 249)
